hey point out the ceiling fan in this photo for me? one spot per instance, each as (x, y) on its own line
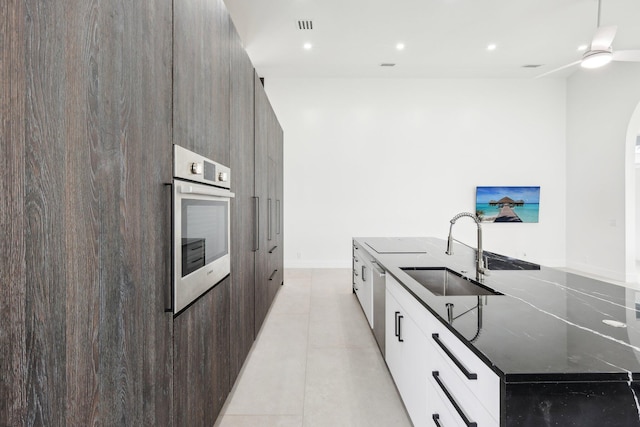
(600, 52)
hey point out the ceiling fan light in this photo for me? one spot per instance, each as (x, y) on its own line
(596, 59)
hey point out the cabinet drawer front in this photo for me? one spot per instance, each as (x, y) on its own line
(440, 414)
(357, 268)
(463, 407)
(455, 364)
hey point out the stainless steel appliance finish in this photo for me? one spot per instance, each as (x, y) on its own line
(378, 304)
(194, 167)
(201, 226)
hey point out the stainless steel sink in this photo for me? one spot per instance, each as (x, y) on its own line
(445, 282)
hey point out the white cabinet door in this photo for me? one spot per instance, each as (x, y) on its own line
(422, 346)
(393, 347)
(408, 359)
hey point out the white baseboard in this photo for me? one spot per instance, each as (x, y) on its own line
(600, 272)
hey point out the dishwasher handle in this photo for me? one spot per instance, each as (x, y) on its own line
(378, 269)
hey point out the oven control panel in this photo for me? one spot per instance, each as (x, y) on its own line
(194, 167)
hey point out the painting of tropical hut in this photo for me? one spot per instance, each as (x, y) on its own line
(508, 204)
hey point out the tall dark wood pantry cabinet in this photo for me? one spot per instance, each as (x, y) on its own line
(86, 123)
(243, 214)
(268, 143)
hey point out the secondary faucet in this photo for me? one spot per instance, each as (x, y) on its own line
(480, 268)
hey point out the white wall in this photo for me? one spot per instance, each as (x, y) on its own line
(600, 173)
(401, 157)
(637, 211)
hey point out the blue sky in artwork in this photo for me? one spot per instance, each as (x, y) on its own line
(528, 194)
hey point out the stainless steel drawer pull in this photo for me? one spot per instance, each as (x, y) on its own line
(269, 219)
(256, 223)
(436, 420)
(463, 369)
(465, 419)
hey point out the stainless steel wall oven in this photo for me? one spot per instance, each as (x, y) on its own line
(201, 225)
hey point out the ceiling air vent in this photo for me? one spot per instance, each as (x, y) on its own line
(305, 24)
(387, 64)
(532, 66)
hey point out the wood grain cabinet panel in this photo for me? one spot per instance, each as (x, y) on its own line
(201, 358)
(263, 294)
(201, 57)
(268, 178)
(242, 326)
(201, 122)
(12, 185)
(95, 82)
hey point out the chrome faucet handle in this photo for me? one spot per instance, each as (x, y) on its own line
(485, 266)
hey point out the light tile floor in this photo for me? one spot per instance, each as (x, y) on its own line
(315, 362)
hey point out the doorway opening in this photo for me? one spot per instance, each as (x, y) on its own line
(632, 196)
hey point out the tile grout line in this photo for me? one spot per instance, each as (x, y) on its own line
(306, 365)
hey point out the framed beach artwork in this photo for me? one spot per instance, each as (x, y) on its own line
(508, 204)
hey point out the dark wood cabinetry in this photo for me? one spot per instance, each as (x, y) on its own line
(268, 155)
(242, 327)
(85, 128)
(201, 123)
(201, 77)
(201, 361)
(13, 389)
(92, 95)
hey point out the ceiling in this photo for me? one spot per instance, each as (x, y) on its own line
(443, 38)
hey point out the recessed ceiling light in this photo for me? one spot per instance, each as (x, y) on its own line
(582, 47)
(491, 47)
(400, 46)
(307, 46)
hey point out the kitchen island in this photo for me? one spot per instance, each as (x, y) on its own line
(559, 349)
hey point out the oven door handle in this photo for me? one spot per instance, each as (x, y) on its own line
(190, 189)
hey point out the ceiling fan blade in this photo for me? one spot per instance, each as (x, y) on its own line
(603, 38)
(626, 55)
(557, 69)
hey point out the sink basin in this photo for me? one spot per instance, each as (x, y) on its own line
(445, 282)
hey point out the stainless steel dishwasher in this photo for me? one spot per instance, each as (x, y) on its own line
(378, 304)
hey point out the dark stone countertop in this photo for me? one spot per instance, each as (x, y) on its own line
(548, 324)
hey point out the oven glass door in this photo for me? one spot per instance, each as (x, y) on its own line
(201, 233)
(204, 232)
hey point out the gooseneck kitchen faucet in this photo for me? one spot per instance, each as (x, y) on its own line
(480, 268)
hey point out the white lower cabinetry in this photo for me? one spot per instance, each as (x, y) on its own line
(362, 283)
(436, 374)
(407, 350)
(440, 414)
